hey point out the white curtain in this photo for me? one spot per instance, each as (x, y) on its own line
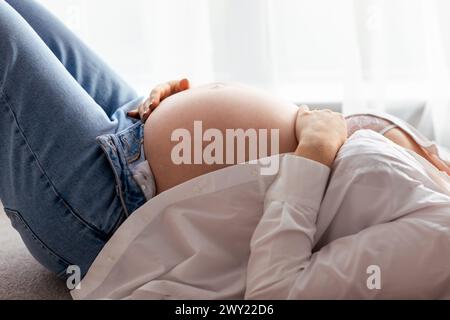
(360, 53)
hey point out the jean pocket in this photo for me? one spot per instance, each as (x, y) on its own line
(38, 249)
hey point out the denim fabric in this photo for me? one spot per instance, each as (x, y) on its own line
(125, 151)
(56, 98)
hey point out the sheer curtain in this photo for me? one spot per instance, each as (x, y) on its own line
(378, 54)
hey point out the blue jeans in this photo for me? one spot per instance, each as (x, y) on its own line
(56, 98)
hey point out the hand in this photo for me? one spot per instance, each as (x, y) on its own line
(320, 134)
(158, 94)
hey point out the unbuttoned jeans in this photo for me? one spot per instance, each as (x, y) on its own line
(56, 98)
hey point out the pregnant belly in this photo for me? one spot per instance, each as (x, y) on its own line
(222, 107)
(225, 107)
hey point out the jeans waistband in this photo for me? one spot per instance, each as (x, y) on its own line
(125, 151)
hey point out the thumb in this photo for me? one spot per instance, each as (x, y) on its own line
(134, 114)
(302, 110)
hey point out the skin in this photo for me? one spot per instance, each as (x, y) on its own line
(317, 135)
(218, 106)
(320, 134)
(403, 139)
(159, 93)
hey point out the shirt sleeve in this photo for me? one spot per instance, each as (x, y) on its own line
(389, 260)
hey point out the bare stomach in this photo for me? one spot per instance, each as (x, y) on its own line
(217, 106)
(222, 107)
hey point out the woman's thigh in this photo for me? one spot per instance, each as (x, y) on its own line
(55, 182)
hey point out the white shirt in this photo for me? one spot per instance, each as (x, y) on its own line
(308, 232)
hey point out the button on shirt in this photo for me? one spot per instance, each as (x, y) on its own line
(307, 232)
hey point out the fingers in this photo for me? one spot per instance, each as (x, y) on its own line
(303, 108)
(184, 84)
(167, 89)
(145, 109)
(142, 112)
(158, 94)
(134, 114)
(302, 111)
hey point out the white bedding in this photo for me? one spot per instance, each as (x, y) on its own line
(23, 278)
(234, 233)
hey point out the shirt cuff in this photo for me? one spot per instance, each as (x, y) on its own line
(300, 180)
